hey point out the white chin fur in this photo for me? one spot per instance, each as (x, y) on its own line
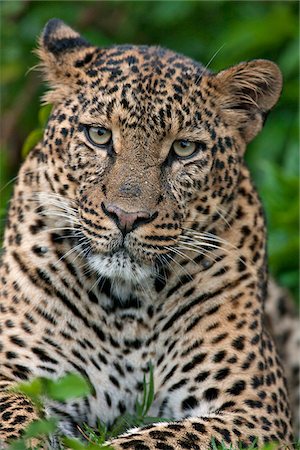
(120, 266)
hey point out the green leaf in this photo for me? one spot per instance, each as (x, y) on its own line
(150, 390)
(270, 446)
(75, 444)
(17, 445)
(214, 445)
(69, 386)
(40, 427)
(44, 114)
(32, 140)
(97, 436)
(142, 408)
(33, 389)
(122, 424)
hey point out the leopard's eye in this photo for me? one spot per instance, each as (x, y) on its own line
(98, 135)
(184, 149)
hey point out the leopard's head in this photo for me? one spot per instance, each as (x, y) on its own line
(145, 143)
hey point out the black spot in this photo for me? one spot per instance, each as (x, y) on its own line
(227, 405)
(218, 357)
(85, 60)
(224, 433)
(17, 341)
(238, 343)
(160, 434)
(202, 376)
(246, 230)
(9, 323)
(58, 141)
(61, 118)
(231, 317)
(38, 226)
(107, 398)
(254, 403)
(114, 381)
(237, 387)
(189, 403)
(199, 427)
(19, 419)
(42, 355)
(64, 132)
(194, 362)
(211, 394)
(178, 385)
(122, 407)
(222, 373)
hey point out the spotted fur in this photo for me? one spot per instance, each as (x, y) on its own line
(123, 254)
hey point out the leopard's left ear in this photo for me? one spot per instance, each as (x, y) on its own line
(61, 49)
(246, 92)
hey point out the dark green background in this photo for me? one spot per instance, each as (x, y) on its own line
(220, 34)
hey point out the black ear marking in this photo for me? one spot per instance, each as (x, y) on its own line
(58, 38)
(50, 28)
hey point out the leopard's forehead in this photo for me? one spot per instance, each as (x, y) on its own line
(141, 63)
(148, 75)
(158, 87)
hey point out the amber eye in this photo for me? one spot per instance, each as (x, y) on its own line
(183, 148)
(99, 135)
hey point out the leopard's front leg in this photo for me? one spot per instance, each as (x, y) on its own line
(200, 433)
(16, 413)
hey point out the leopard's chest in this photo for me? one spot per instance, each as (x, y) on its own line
(118, 380)
(113, 355)
(118, 372)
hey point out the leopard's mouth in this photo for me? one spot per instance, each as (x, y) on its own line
(120, 257)
(120, 265)
(135, 247)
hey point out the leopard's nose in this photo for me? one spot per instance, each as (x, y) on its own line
(127, 221)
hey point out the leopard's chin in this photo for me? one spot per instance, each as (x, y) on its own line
(121, 265)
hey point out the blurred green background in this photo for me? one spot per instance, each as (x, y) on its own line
(218, 33)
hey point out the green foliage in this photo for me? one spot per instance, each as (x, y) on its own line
(77, 445)
(36, 135)
(65, 388)
(127, 420)
(69, 386)
(38, 429)
(139, 417)
(279, 190)
(72, 386)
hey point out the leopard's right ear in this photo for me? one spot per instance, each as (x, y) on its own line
(60, 49)
(58, 38)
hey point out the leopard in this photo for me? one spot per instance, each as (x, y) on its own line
(136, 239)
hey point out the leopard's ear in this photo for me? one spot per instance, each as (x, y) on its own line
(246, 93)
(60, 51)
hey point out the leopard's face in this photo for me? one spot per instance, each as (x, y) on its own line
(142, 147)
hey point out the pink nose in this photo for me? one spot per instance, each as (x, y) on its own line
(126, 221)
